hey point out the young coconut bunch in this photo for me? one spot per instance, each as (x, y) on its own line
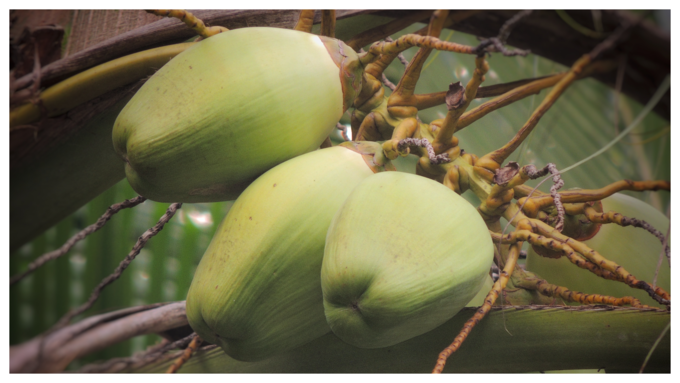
(255, 299)
(364, 317)
(375, 312)
(497, 185)
(248, 351)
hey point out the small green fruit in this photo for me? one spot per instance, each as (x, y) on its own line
(403, 255)
(256, 291)
(635, 249)
(231, 107)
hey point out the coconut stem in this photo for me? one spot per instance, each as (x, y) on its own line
(622, 220)
(658, 294)
(398, 103)
(500, 284)
(495, 159)
(305, 21)
(539, 233)
(533, 173)
(191, 21)
(328, 23)
(554, 291)
(457, 102)
(423, 143)
(193, 346)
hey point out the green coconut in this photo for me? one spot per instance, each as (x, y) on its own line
(256, 291)
(403, 255)
(635, 249)
(231, 107)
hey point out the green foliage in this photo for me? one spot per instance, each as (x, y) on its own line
(161, 273)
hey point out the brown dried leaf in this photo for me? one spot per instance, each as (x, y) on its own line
(504, 174)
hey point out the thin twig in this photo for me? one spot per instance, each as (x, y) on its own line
(507, 225)
(113, 209)
(172, 209)
(499, 41)
(424, 143)
(388, 83)
(664, 249)
(146, 356)
(557, 184)
(195, 343)
(149, 354)
(509, 25)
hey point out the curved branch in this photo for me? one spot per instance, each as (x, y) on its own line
(54, 352)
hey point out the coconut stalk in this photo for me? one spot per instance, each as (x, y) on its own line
(514, 339)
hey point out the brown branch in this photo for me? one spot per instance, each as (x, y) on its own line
(554, 291)
(499, 41)
(665, 246)
(388, 83)
(623, 221)
(534, 204)
(648, 48)
(380, 32)
(190, 21)
(191, 348)
(164, 32)
(121, 267)
(557, 184)
(113, 209)
(328, 23)
(305, 21)
(155, 353)
(498, 286)
(61, 347)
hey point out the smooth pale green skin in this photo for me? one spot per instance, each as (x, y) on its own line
(635, 249)
(256, 291)
(226, 110)
(403, 255)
